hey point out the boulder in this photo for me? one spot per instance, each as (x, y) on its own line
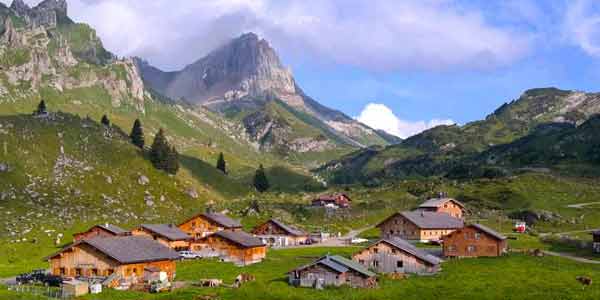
(192, 193)
(143, 180)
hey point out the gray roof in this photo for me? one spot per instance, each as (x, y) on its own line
(489, 231)
(340, 264)
(289, 229)
(222, 220)
(128, 249)
(596, 232)
(411, 249)
(437, 202)
(169, 231)
(113, 228)
(430, 220)
(241, 238)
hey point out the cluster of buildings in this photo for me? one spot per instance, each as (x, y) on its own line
(125, 257)
(436, 220)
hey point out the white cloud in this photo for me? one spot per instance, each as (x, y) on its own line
(582, 25)
(379, 116)
(374, 35)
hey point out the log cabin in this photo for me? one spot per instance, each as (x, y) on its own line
(204, 224)
(474, 240)
(166, 234)
(101, 230)
(596, 241)
(237, 247)
(332, 270)
(277, 234)
(445, 205)
(337, 200)
(395, 255)
(119, 258)
(418, 225)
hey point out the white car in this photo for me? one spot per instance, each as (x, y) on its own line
(188, 255)
(358, 241)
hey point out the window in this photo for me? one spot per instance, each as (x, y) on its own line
(445, 205)
(466, 235)
(375, 263)
(78, 272)
(110, 272)
(391, 232)
(193, 224)
(94, 272)
(376, 250)
(471, 248)
(361, 261)
(63, 271)
(451, 248)
(477, 235)
(393, 251)
(134, 270)
(399, 264)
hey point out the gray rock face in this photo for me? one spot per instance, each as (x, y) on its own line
(48, 13)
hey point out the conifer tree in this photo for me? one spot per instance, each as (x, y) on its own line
(261, 183)
(105, 121)
(159, 151)
(221, 164)
(137, 134)
(41, 109)
(172, 163)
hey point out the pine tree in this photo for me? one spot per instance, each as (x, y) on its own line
(261, 183)
(159, 151)
(172, 164)
(105, 121)
(41, 109)
(221, 164)
(137, 134)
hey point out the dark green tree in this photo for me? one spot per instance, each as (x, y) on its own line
(41, 109)
(137, 134)
(261, 183)
(221, 164)
(105, 121)
(159, 151)
(172, 164)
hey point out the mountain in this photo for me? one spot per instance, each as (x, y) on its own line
(452, 149)
(245, 81)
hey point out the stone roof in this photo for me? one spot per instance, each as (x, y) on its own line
(489, 231)
(410, 249)
(222, 220)
(340, 264)
(241, 238)
(437, 202)
(169, 231)
(128, 249)
(429, 220)
(113, 228)
(289, 229)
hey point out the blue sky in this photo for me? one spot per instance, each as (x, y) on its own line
(402, 66)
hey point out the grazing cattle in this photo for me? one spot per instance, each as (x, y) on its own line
(211, 282)
(584, 280)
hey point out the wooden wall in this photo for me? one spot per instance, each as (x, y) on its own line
(230, 250)
(384, 258)
(199, 227)
(460, 242)
(308, 277)
(450, 207)
(399, 226)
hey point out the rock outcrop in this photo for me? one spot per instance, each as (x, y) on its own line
(46, 14)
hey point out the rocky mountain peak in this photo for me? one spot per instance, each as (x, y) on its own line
(46, 14)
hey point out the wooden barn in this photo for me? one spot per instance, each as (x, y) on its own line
(205, 224)
(277, 234)
(167, 234)
(474, 240)
(120, 258)
(337, 200)
(394, 255)
(101, 230)
(238, 247)
(419, 225)
(444, 205)
(596, 241)
(332, 270)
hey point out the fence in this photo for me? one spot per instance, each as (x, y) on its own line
(50, 292)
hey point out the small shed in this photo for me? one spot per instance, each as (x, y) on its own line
(278, 234)
(394, 255)
(332, 270)
(74, 288)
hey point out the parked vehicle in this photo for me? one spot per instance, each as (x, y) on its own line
(39, 276)
(189, 255)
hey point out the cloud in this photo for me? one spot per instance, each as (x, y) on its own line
(582, 25)
(374, 35)
(379, 116)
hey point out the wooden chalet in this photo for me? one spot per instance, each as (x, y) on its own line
(205, 224)
(115, 259)
(277, 234)
(474, 240)
(419, 225)
(166, 234)
(394, 255)
(101, 230)
(337, 200)
(238, 247)
(596, 241)
(444, 205)
(332, 270)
